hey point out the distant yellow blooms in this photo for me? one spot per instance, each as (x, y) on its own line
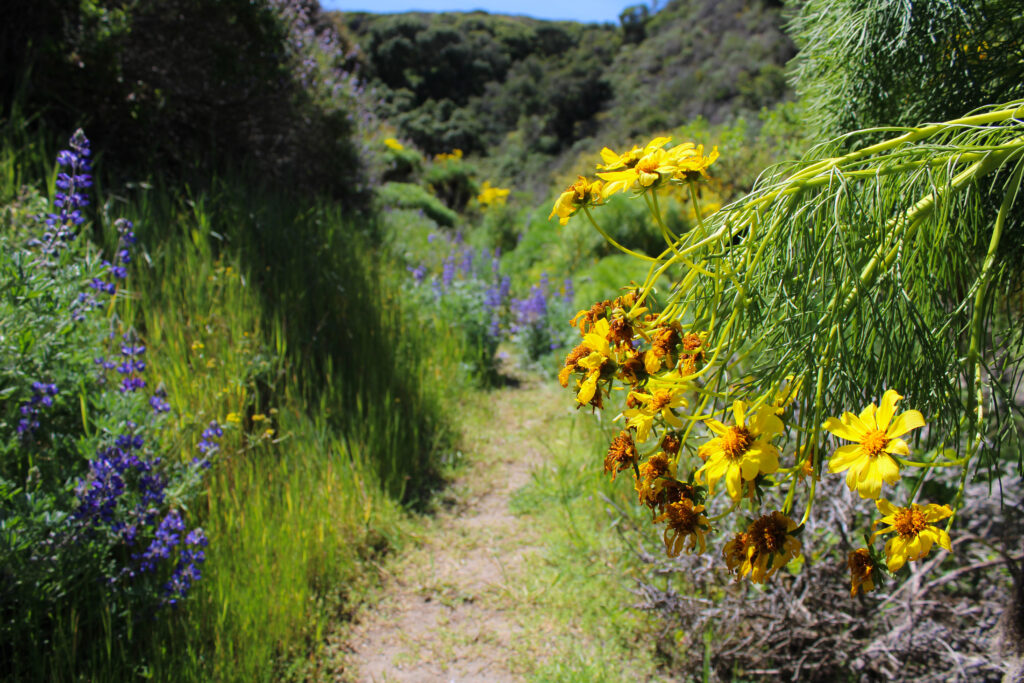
(490, 195)
(394, 144)
(441, 158)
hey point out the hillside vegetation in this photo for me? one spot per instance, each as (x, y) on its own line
(256, 257)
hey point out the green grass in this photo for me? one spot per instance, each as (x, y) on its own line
(266, 313)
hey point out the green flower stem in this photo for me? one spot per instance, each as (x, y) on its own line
(696, 204)
(586, 210)
(655, 208)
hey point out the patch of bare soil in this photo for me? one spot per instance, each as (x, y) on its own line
(448, 610)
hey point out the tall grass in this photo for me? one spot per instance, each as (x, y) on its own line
(276, 317)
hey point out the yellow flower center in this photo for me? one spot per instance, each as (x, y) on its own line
(660, 400)
(648, 165)
(874, 443)
(736, 441)
(909, 522)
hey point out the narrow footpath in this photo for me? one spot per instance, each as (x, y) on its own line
(515, 577)
(449, 611)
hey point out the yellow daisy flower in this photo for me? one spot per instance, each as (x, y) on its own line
(615, 162)
(650, 169)
(600, 351)
(737, 559)
(581, 193)
(877, 433)
(915, 531)
(658, 403)
(764, 548)
(742, 451)
(689, 161)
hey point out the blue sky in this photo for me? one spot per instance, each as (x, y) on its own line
(598, 11)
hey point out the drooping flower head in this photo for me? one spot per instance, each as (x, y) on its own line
(742, 451)
(686, 527)
(621, 454)
(862, 571)
(877, 434)
(915, 531)
(581, 193)
(772, 544)
(655, 474)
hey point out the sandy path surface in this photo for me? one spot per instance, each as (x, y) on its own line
(449, 610)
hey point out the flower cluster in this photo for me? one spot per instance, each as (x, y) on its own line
(661, 364)
(72, 180)
(671, 378)
(641, 168)
(124, 497)
(42, 396)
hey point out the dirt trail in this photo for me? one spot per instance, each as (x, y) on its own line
(449, 611)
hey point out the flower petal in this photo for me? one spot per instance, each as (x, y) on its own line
(869, 416)
(842, 430)
(911, 419)
(897, 447)
(887, 469)
(887, 409)
(734, 483)
(887, 509)
(844, 457)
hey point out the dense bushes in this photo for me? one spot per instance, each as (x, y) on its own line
(166, 84)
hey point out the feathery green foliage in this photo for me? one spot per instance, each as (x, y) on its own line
(868, 63)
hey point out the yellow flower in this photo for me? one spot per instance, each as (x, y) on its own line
(198, 346)
(597, 342)
(785, 393)
(614, 162)
(915, 533)
(455, 155)
(259, 417)
(576, 196)
(877, 435)
(233, 418)
(689, 162)
(492, 195)
(658, 403)
(647, 172)
(686, 527)
(742, 451)
(861, 568)
(394, 144)
(737, 557)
